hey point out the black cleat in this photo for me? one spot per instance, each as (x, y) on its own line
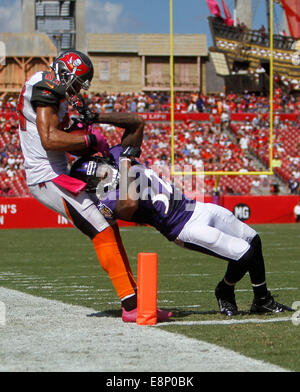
(227, 305)
(267, 304)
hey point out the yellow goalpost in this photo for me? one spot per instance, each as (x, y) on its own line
(220, 173)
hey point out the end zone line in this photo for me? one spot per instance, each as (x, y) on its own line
(225, 322)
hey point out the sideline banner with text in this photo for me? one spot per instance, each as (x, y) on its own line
(166, 116)
(22, 213)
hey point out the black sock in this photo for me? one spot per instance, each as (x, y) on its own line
(129, 303)
(260, 290)
(225, 290)
(235, 271)
(253, 262)
(256, 265)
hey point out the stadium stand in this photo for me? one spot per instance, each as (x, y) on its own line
(209, 145)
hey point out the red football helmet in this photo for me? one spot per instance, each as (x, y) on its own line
(74, 70)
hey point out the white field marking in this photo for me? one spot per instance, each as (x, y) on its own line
(283, 272)
(188, 275)
(50, 336)
(212, 291)
(144, 229)
(199, 275)
(184, 306)
(18, 275)
(272, 289)
(230, 322)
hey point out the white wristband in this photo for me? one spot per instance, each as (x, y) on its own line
(125, 159)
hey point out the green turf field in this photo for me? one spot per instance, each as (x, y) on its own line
(61, 264)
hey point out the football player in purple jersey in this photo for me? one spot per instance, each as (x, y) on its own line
(127, 190)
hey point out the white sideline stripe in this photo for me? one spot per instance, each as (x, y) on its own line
(228, 322)
(237, 290)
(51, 336)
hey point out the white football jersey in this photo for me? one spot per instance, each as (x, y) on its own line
(40, 165)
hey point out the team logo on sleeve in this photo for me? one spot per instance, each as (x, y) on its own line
(105, 211)
(46, 92)
(50, 85)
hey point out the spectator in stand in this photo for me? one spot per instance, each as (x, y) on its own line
(109, 106)
(297, 212)
(141, 104)
(257, 121)
(283, 33)
(260, 69)
(225, 120)
(256, 186)
(262, 32)
(200, 103)
(293, 185)
(133, 105)
(244, 141)
(192, 108)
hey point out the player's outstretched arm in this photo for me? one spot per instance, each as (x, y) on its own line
(131, 122)
(54, 139)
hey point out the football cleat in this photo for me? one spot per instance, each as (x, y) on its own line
(267, 304)
(227, 305)
(130, 316)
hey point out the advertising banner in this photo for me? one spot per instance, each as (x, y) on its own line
(22, 213)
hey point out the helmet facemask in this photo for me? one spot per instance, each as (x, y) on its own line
(100, 175)
(72, 83)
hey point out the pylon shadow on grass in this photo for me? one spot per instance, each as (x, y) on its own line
(184, 313)
(107, 313)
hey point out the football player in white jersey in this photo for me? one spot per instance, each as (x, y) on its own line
(43, 114)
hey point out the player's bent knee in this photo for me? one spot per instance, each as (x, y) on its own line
(238, 248)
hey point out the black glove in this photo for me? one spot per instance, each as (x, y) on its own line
(87, 116)
(131, 151)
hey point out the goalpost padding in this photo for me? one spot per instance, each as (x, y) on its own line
(147, 289)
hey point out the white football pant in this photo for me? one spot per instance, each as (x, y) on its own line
(80, 210)
(217, 230)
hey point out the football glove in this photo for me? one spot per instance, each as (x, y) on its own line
(88, 117)
(98, 142)
(131, 151)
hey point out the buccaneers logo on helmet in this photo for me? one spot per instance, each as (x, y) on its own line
(74, 70)
(74, 63)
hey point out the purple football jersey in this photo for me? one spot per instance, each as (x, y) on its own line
(160, 204)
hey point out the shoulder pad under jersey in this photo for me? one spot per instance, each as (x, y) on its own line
(47, 91)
